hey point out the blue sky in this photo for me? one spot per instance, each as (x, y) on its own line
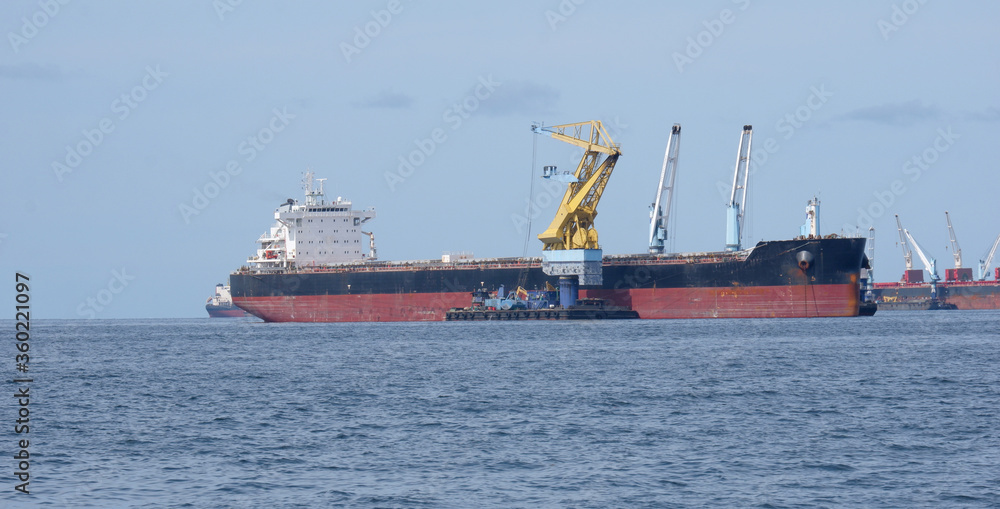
(119, 114)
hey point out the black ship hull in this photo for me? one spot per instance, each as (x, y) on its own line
(774, 280)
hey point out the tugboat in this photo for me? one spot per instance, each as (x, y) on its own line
(545, 304)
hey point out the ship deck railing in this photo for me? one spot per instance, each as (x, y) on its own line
(397, 266)
(679, 258)
(901, 284)
(421, 264)
(496, 263)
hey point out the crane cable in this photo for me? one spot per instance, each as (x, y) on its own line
(531, 194)
(672, 232)
(522, 277)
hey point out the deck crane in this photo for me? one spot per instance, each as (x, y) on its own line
(956, 251)
(909, 276)
(929, 263)
(738, 199)
(984, 265)
(958, 273)
(570, 249)
(659, 217)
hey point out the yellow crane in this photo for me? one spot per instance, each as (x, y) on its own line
(573, 226)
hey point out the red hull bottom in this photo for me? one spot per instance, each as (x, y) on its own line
(974, 301)
(803, 301)
(962, 295)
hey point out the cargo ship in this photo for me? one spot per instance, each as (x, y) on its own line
(903, 296)
(221, 305)
(959, 290)
(318, 264)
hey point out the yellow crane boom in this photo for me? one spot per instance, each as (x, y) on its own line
(573, 225)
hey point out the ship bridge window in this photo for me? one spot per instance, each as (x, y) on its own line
(327, 209)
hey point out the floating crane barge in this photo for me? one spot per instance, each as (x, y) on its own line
(535, 305)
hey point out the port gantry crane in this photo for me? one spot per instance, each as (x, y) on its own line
(984, 265)
(738, 199)
(570, 249)
(659, 217)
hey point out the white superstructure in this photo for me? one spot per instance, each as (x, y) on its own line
(318, 232)
(811, 228)
(222, 297)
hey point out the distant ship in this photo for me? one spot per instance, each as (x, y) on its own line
(221, 305)
(959, 289)
(318, 264)
(951, 294)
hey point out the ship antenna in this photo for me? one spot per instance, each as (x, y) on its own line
(320, 192)
(307, 181)
(307, 185)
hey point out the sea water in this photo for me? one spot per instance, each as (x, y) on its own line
(901, 409)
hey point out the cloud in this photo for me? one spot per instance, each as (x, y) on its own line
(520, 97)
(991, 114)
(896, 114)
(387, 99)
(30, 71)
